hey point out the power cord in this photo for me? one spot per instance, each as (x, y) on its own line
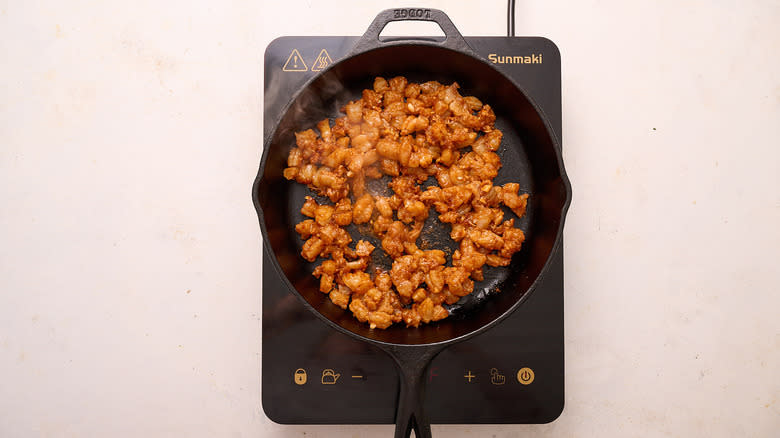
(510, 18)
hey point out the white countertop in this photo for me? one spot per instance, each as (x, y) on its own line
(130, 133)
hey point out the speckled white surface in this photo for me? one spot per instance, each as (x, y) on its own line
(130, 133)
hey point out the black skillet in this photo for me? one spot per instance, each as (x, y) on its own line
(530, 154)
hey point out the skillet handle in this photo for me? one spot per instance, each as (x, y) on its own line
(370, 40)
(412, 363)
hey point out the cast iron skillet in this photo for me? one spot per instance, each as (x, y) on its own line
(530, 155)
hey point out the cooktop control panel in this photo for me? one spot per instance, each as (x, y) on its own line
(514, 373)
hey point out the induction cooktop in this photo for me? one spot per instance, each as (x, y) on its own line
(513, 373)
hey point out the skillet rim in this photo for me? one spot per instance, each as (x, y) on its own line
(565, 182)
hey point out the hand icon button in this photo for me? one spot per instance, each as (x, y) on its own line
(329, 377)
(497, 378)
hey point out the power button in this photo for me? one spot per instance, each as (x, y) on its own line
(525, 376)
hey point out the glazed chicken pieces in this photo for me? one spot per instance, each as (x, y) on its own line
(408, 133)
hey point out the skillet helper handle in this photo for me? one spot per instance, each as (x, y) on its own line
(412, 364)
(370, 39)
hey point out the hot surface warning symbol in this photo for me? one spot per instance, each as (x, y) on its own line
(323, 60)
(295, 62)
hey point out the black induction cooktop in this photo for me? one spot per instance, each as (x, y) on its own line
(514, 373)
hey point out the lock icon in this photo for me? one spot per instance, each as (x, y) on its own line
(299, 377)
(329, 377)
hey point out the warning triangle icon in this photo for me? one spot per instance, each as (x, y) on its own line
(295, 62)
(323, 60)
